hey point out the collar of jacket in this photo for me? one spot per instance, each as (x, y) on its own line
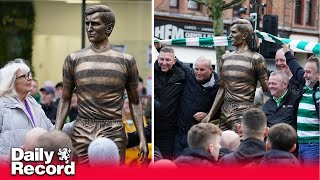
(197, 152)
(12, 102)
(250, 148)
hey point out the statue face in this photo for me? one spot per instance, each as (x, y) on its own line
(96, 29)
(236, 36)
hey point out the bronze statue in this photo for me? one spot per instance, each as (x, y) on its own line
(239, 72)
(100, 76)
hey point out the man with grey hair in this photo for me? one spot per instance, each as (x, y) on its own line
(282, 106)
(253, 129)
(200, 90)
(101, 76)
(103, 152)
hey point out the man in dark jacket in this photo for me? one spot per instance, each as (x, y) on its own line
(308, 120)
(282, 106)
(203, 140)
(169, 83)
(281, 143)
(254, 129)
(199, 92)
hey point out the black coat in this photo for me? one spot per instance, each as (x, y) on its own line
(279, 158)
(167, 90)
(249, 153)
(195, 98)
(298, 74)
(194, 157)
(285, 113)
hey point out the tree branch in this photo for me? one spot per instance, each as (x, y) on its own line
(232, 4)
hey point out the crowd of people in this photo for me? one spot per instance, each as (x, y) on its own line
(284, 131)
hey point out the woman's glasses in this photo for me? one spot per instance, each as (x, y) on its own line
(26, 76)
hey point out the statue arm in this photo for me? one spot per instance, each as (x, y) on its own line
(63, 107)
(216, 105)
(136, 112)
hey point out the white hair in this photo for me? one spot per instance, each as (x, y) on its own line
(103, 152)
(8, 76)
(31, 138)
(230, 140)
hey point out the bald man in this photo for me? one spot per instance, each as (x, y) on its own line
(229, 143)
(32, 137)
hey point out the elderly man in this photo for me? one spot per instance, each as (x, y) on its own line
(283, 104)
(308, 122)
(200, 90)
(169, 83)
(240, 72)
(100, 75)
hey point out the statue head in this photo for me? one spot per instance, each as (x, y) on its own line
(106, 15)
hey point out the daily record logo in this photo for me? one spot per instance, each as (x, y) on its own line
(39, 162)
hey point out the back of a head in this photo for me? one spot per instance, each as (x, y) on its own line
(254, 123)
(200, 135)
(230, 140)
(31, 138)
(103, 152)
(54, 140)
(282, 137)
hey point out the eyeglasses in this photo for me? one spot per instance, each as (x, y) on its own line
(26, 76)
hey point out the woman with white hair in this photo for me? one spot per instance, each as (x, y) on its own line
(19, 111)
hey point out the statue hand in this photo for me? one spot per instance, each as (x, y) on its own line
(143, 152)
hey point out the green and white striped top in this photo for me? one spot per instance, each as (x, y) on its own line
(308, 122)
